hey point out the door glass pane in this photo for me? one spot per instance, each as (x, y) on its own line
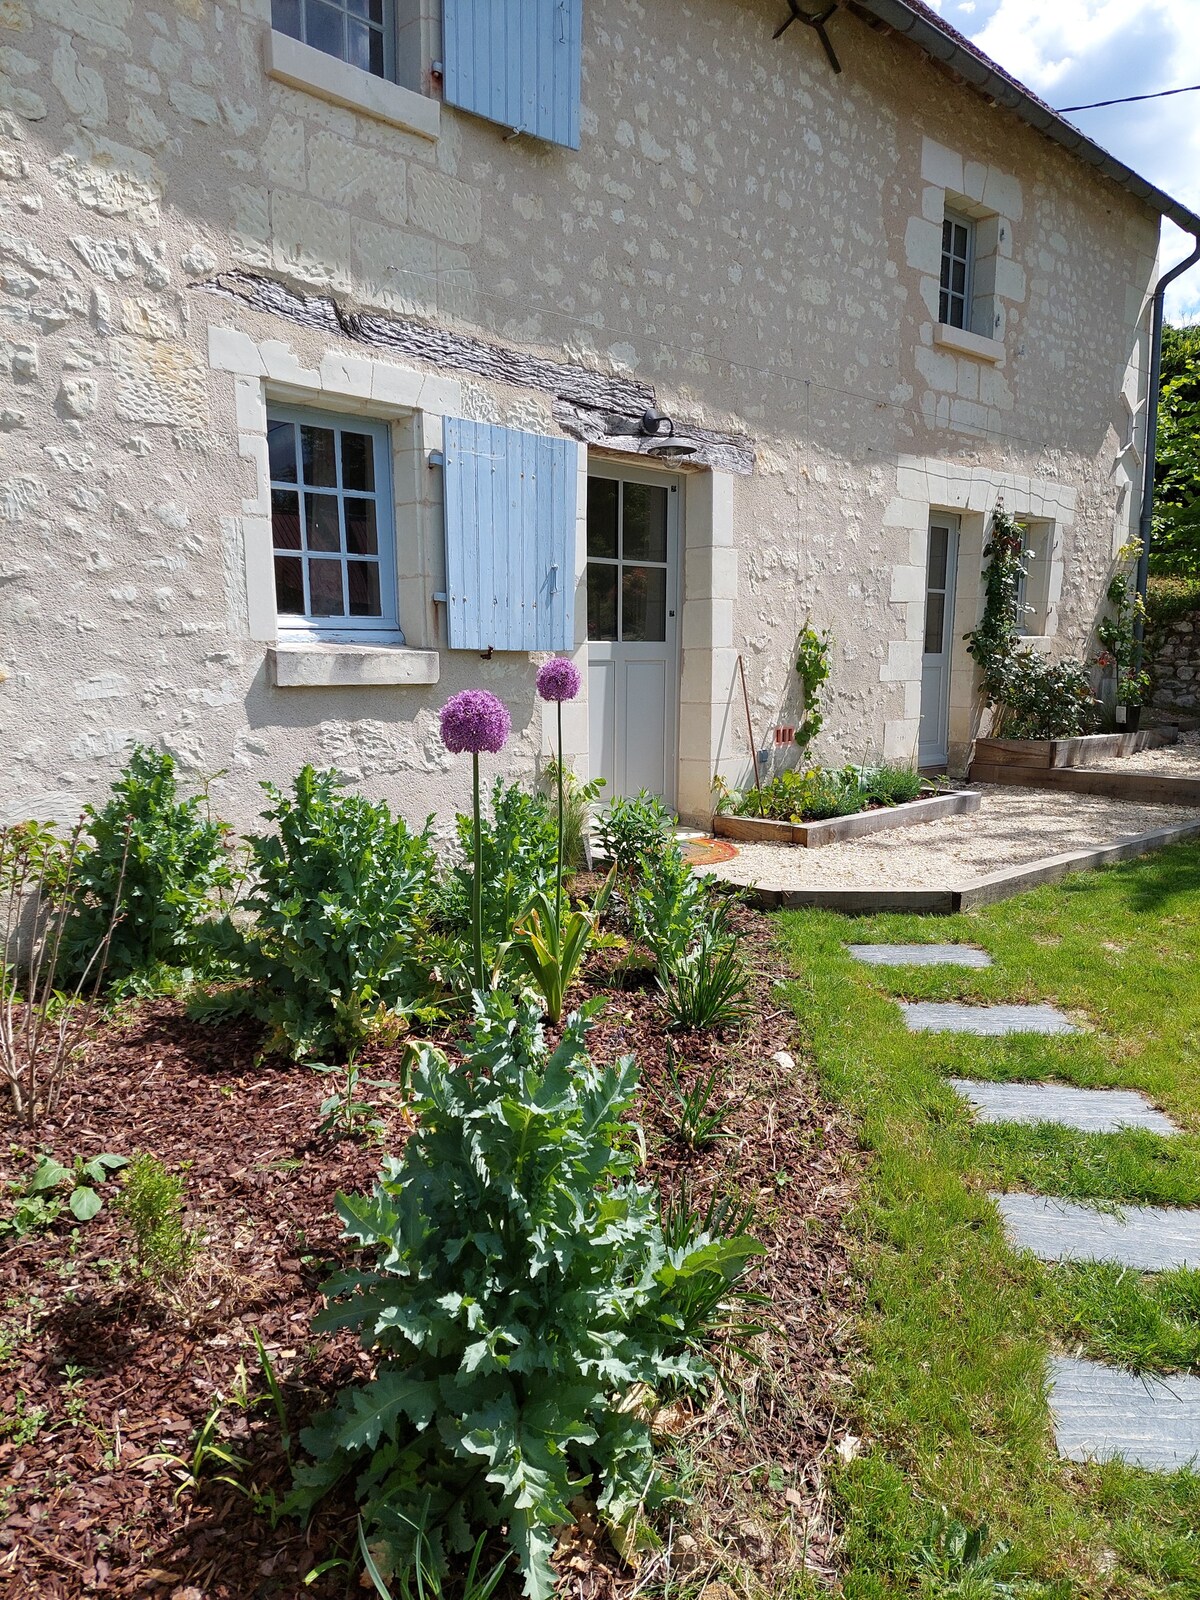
(358, 461)
(644, 531)
(644, 603)
(602, 519)
(362, 579)
(601, 601)
(361, 536)
(316, 447)
(281, 446)
(939, 544)
(325, 588)
(935, 622)
(285, 519)
(289, 586)
(324, 530)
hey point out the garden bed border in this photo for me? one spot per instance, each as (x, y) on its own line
(1088, 750)
(835, 830)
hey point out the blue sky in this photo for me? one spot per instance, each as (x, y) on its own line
(1073, 51)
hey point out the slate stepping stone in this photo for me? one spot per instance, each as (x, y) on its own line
(1087, 1110)
(951, 1016)
(1146, 1238)
(920, 955)
(1101, 1414)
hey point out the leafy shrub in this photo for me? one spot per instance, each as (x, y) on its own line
(523, 1286)
(151, 1201)
(892, 785)
(633, 830)
(341, 896)
(812, 666)
(150, 859)
(39, 1201)
(667, 904)
(520, 846)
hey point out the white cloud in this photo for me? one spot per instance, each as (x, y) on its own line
(1072, 52)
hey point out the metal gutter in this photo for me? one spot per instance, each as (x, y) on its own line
(942, 43)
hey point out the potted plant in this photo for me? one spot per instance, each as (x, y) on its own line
(1121, 654)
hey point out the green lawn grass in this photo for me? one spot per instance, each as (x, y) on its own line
(950, 1391)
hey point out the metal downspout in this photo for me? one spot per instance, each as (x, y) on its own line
(1149, 461)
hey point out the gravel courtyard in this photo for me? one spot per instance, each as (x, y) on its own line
(1012, 827)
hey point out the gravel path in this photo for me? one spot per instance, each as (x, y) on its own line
(1180, 760)
(1012, 827)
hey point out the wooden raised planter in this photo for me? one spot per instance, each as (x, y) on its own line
(1091, 750)
(835, 830)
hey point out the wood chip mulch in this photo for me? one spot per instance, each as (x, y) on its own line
(105, 1380)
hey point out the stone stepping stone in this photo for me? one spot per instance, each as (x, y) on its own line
(1146, 1238)
(920, 955)
(1102, 1413)
(1087, 1110)
(951, 1016)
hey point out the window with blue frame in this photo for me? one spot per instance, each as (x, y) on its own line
(359, 32)
(332, 524)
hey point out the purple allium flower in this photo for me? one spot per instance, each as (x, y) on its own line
(558, 679)
(475, 720)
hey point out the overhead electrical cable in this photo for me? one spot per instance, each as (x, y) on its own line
(1128, 99)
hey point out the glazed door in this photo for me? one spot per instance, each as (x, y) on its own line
(632, 619)
(940, 572)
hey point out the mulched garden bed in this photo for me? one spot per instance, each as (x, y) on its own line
(102, 1378)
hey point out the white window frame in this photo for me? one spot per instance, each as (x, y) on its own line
(386, 626)
(946, 293)
(388, 30)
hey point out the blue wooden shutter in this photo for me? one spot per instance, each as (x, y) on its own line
(510, 537)
(516, 62)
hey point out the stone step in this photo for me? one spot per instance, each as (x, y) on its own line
(1146, 1238)
(951, 1016)
(1102, 1413)
(1087, 1110)
(920, 955)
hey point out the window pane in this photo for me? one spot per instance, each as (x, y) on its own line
(324, 531)
(958, 277)
(602, 601)
(285, 17)
(362, 578)
(602, 520)
(645, 526)
(325, 589)
(944, 308)
(289, 586)
(361, 536)
(285, 519)
(939, 541)
(358, 461)
(364, 47)
(960, 240)
(935, 617)
(643, 603)
(281, 446)
(325, 28)
(376, 64)
(316, 448)
(946, 265)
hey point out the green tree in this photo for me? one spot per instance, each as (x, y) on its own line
(1175, 539)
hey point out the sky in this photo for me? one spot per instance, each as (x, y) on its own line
(1074, 51)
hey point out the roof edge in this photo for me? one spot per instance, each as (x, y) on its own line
(942, 43)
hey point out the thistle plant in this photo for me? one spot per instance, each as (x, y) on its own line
(476, 721)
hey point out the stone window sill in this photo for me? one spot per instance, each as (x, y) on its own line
(310, 665)
(288, 61)
(968, 344)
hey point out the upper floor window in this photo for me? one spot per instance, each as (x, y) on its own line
(958, 253)
(359, 32)
(332, 529)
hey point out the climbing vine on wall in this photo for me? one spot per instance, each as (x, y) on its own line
(812, 666)
(1033, 698)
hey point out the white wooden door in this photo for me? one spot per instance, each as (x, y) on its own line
(632, 620)
(940, 572)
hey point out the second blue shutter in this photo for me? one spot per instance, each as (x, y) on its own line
(516, 62)
(510, 537)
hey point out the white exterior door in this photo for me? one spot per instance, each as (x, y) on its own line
(632, 622)
(940, 572)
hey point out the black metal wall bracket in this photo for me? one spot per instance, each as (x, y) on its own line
(817, 23)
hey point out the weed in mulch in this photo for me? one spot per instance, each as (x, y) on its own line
(108, 1378)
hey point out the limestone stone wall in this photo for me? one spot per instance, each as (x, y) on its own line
(1175, 665)
(746, 234)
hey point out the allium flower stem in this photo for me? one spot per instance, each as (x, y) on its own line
(477, 877)
(558, 875)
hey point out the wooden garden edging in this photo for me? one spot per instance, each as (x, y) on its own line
(834, 830)
(1153, 788)
(1091, 750)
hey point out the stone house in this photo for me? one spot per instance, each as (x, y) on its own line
(358, 351)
